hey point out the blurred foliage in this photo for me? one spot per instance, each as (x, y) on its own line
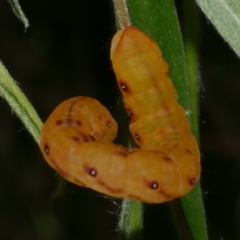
(225, 16)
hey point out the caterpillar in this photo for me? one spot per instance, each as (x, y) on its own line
(76, 139)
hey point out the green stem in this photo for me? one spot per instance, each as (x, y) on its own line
(131, 217)
(131, 221)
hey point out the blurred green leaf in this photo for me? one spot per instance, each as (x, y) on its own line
(225, 16)
(19, 12)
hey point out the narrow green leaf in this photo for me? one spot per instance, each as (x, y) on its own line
(10, 91)
(192, 203)
(225, 16)
(19, 12)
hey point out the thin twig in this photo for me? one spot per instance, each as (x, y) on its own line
(121, 11)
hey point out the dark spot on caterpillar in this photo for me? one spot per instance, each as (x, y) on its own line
(71, 107)
(59, 122)
(137, 137)
(46, 149)
(91, 171)
(85, 138)
(79, 123)
(121, 153)
(76, 139)
(188, 151)
(168, 159)
(192, 181)
(130, 113)
(124, 86)
(69, 121)
(153, 185)
(91, 138)
(101, 183)
(109, 124)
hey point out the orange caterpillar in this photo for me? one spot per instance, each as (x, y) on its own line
(76, 138)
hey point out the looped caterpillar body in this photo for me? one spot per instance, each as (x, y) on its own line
(76, 138)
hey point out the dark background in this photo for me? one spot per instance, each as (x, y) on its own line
(65, 53)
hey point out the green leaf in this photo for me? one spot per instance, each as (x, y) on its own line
(19, 12)
(225, 16)
(159, 20)
(10, 91)
(192, 203)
